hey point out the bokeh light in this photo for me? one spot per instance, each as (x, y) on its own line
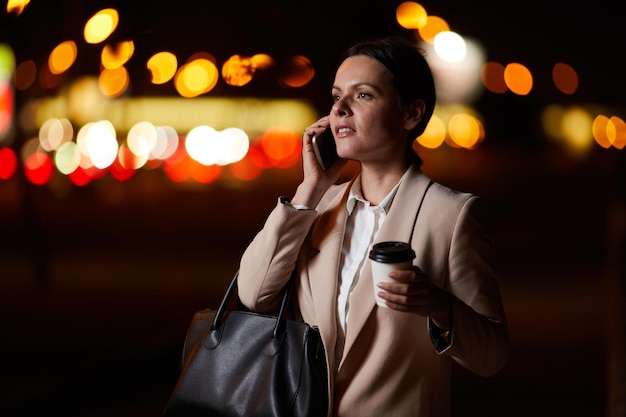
(196, 78)
(25, 74)
(101, 25)
(565, 78)
(113, 82)
(434, 135)
(38, 168)
(281, 145)
(62, 57)
(113, 57)
(8, 163)
(411, 15)
(98, 142)
(492, 76)
(434, 25)
(162, 67)
(450, 46)
(67, 158)
(17, 6)
(209, 147)
(465, 130)
(238, 70)
(298, 72)
(518, 78)
(54, 133)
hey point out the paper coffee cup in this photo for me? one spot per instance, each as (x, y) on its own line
(387, 256)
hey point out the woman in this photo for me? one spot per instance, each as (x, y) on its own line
(393, 361)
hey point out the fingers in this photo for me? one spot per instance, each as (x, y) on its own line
(411, 291)
(317, 127)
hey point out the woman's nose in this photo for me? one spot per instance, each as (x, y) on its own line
(340, 107)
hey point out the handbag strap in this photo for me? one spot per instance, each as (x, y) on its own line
(280, 319)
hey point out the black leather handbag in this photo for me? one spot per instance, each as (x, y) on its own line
(244, 364)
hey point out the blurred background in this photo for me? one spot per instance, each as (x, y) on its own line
(142, 145)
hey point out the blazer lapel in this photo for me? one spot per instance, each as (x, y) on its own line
(329, 238)
(397, 226)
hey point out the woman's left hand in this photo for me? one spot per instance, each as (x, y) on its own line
(413, 292)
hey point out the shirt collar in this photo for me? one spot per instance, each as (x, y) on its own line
(356, 194)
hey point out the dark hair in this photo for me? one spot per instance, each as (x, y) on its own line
(409, 72)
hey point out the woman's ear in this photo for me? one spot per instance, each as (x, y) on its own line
(414, 113)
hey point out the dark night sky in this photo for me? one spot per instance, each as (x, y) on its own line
(538, 33)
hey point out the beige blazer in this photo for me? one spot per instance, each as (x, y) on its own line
(389, 366)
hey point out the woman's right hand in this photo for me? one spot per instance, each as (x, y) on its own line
(316, 181)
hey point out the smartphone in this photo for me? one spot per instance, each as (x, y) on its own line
(325, 148)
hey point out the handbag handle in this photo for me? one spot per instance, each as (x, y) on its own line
(280, 321)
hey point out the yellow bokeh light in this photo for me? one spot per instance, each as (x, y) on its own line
(162, 66)
(465, 130)
(238, 70)
(62, 57)
(434, 135)
(17, 6)
(262, 61)
(196, 77)
(113, 82)
(551, 117)
(434, 26)
(115, 57)
(101, 25)
(577, 129)
(411, 15)
(518, 79)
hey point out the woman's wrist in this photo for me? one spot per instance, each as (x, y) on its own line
(307, 195)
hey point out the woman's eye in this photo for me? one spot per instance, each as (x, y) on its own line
(363, 95)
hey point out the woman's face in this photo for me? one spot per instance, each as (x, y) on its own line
(366, 117)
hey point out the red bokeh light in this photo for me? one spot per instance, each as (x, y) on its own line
(38, 168)
(80, 177)
(8, 163)
(119, 172)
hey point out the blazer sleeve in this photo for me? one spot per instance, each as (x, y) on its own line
(479, 339)
(267, 263)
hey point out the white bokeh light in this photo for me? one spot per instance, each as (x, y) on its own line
(457, 82)
(450, 46)
(97, 141)
(210, 147)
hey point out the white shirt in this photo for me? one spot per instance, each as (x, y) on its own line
(364, 222)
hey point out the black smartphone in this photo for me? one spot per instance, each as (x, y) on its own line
(325, 148)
